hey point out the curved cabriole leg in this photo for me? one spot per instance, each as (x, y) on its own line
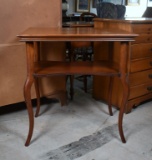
(110, 96)
(121, 128)
(27, 96)
(122, 108)
(124, 50)
(37, 96)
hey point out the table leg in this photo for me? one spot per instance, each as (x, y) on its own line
(110, 96)
(122, 108)
(27, 95)
(71, 86)
(124, 54)
(27, 88)
(36, 82)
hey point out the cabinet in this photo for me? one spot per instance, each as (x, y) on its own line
(139, 66)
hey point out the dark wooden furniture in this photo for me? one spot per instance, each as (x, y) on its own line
(84, 15)
(77, 24)
(76, 18)
(79, 46)
(71, 18)
(139, 65)
(81, 51)
(37, 68)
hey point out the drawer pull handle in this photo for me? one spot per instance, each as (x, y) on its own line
(151, 63)
(150, 75)
(150, 49)
(149, 89)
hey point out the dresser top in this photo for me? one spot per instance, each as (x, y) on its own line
(128, 20)
(141, 20)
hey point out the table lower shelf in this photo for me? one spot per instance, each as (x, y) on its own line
(49, 68)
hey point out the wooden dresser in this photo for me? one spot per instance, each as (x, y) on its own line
(139, 63)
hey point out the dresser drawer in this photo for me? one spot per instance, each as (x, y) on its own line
(141, 50)
(142, 28)
(140, 65)
(140, 90)
(139, 78)
(143, 38)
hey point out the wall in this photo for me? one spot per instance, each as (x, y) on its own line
(16, 16)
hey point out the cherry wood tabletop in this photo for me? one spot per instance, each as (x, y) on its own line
(82, 33)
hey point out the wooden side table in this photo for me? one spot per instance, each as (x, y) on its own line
(37, 68)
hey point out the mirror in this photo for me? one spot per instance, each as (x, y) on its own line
(72, 9)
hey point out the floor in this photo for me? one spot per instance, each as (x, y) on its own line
(83, 130)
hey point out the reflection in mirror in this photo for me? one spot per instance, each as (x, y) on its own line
(75, 8)
(72, 9)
